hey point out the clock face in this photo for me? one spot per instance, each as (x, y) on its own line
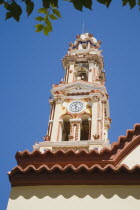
(76, 106)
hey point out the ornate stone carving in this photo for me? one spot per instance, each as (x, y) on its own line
(46, 138)
(90, 35)
(86, 99)
(88, 106)
(78, 36)
(75, 115)
(68, 100)
(77, 131)
(71, 138)
(70, 44)
(96, 136)
(92, 91)
(95, 98)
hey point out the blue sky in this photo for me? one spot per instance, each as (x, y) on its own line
(31, 62)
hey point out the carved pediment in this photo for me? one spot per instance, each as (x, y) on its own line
(78, 87)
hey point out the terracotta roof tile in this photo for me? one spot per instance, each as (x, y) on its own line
(70, 167)
(82, 167)
(70, 175)
(113, 156)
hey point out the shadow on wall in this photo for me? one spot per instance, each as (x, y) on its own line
(67, 191)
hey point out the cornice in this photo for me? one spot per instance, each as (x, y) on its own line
(81, 83)
(71, 175)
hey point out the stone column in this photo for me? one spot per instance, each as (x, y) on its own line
(94, 117)
(78, 131)
(103, 119)
(60, 130)
(71, 73)
(51, 118)
(55, 126)
(75, 129)
(89, 122)
(106, 133)
(90, 73)
(100, 119)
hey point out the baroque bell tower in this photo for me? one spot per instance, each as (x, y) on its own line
(79, 116)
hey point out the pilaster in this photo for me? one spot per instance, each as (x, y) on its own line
(55, 126)
(75, 129)
(90, 73)
(71, 72)
(95, 101)
(60, 130)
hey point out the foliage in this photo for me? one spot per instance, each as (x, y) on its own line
(50, 11)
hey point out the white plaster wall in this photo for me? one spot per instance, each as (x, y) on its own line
(133, 158)
(57, 114)
(94, 119)
(75, 197)
(90, 73)
(70, 79)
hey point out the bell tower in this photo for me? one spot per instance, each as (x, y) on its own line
(79, 116)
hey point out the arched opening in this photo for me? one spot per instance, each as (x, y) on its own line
(85, 127)
(66, 127)
(84, 45)
(81, 76)
(81, 72)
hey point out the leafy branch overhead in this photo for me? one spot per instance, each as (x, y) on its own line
(50, 11)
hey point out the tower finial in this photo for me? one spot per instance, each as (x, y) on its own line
(83, 27)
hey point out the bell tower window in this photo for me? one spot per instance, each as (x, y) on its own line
(82, 72)
(85, 128)
(82, 76)
(66, 128)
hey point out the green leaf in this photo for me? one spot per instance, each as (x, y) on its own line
(8, 15)
(105, 2)
(1, 2)
(45, 30)
(39, 18)
(48, 24)
(43, 11)
(132, 3)
(39, 27)
(53, 17)
(29, 6)
(56, 12)
(46, 3)
(87, 4)
(48, 27)
(15, 10)
(6, 5)
(54, 3)
(139, 2)
(77, 4)
(125, 2)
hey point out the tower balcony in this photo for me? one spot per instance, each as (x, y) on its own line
(71, 145)
(92, 57)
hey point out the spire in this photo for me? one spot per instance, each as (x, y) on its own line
(83, 27)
